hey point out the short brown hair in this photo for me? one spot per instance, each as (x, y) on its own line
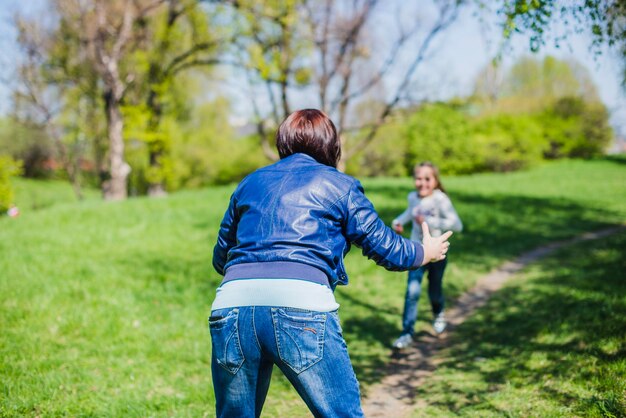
(310, 132)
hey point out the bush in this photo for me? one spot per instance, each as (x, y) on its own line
(458, 144)
(442, 134)
(507, 142)
(8, 168)
(575, 128)
(28, 145)
(201, 151)
(384, 157)
(445, 134)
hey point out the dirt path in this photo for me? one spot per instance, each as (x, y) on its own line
(394, 395)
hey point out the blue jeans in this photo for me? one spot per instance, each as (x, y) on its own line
(307, 346)
(414, 289)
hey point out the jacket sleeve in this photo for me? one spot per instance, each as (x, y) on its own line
(380, 243)
(227, 236)
(448, 219)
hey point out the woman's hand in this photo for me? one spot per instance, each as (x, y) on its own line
(435, 249)
(398, 228)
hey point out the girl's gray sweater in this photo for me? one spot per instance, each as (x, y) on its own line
(438, 213)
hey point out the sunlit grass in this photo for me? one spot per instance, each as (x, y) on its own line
(503, 215)
(39, 194)
(552, 343)
(103, 306)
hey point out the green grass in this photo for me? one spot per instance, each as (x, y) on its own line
(552, 343)
(103, 306)
(39, 194)
(503, 215)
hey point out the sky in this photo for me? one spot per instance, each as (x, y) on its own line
(474, 46)
(455, 60)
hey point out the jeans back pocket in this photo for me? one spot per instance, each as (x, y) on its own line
(299, 336)
(223, 325)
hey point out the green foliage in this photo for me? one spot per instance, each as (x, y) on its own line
(545, 80)
(164, 41)
(199, 151)
(274, 45)
(603, 20)
(26, 144)
(385, 156)
(459, 144)
(574, 128)
(442, 134)
(545, 109)
(532, 85)
(507, 142)
(142, 141)
(209, 151)
(8, 168)
(178, 37)
(77, 125)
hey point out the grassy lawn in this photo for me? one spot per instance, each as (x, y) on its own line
(552, 343)
(39, 194)
(103, 306)
(503, 215)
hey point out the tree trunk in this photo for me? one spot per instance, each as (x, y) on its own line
(156, 149)
(156, 189)
(115, 187)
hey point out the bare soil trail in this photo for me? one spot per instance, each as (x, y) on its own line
(394, 395)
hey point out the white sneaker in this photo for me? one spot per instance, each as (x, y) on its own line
(403, 341)
(440, 323)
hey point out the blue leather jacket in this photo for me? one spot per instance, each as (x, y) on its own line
(300, 211)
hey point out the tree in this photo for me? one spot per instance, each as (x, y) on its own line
(441, 133)
(118, 56)
(180, 37)
(531, 85)
(108, 29)
(26, 144)
(272, 50)
(80, 63)
(605, 20)
(49, 84)
(560, 98)
(298, 47)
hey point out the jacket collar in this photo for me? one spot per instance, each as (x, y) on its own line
(299, 159)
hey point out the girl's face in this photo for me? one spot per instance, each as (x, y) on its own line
(425, 181)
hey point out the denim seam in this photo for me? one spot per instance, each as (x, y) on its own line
(321, 342)
(256, 337)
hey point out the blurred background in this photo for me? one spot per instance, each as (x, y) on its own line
(149, 97)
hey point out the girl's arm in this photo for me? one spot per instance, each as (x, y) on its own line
(378, 242)
(449, 219)
(406, 216)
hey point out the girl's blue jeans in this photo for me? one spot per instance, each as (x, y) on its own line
(414, 289)
(307, 346)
